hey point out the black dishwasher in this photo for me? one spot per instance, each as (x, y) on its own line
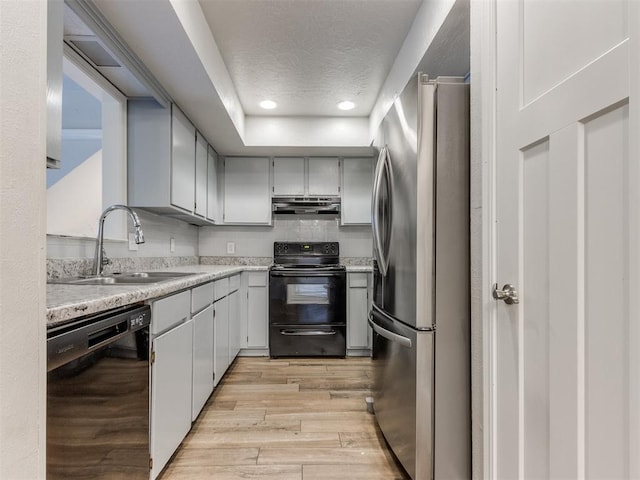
(98, 396)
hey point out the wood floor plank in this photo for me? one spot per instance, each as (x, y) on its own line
(263, 439)
(338, 425)
(208, 415)
(294, 405)
(325, 456)
(241, 472)
(368, 439)
(259, 389)
(204, 457)
(311, 415)
(222, 425)
(352, 472)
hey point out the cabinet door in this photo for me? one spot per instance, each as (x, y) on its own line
(257, 311)
(212, 186)
(221, 338)
(357, 185)
(357, 311)
(183, 160)
(171, 376)
(201, 178)
(324, 176)
(234, 325)
(202, 359)
(247, 193)
(288, 176)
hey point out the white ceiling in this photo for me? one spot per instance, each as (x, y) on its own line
(308, 55)
(218, 58)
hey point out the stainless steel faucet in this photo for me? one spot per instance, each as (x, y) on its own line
(99, 260)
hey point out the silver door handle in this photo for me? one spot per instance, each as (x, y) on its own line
(508, 293)
(393, 337)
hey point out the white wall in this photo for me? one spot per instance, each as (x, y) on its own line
(75, 200)
(355, 241)
(157, 234)
(23, 363)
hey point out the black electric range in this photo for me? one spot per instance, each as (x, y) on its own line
(307, 300)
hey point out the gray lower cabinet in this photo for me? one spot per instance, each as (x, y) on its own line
(221, 329)
(235, 320)
(256, 313)
(171, 376)
(358, 330)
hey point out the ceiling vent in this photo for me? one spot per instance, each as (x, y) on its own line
(92, 50)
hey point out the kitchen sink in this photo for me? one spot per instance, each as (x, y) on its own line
(128, 278)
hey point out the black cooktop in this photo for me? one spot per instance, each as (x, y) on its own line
(296, 254)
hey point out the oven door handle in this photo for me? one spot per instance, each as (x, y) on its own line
(305, 333)
(281, 273)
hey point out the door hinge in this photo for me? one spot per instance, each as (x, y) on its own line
(150, 463)
(153, 357)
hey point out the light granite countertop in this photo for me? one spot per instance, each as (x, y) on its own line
(66, 302)
(359, 268)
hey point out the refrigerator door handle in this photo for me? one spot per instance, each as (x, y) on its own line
(392, 337)
(381, 169)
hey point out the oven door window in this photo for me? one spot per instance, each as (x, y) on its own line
(307, 294)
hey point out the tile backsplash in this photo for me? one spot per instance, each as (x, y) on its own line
(355, 241)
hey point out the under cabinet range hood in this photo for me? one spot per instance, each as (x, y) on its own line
(306, 205)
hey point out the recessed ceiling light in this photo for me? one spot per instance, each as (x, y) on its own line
(268, 104)
(346, 105)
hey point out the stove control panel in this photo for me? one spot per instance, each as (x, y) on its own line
(316, 249)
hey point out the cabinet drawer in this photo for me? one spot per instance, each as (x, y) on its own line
(234, 283)
(357, 279)
(257, 279)
(169, 311)
(201, 297)
(221, 288)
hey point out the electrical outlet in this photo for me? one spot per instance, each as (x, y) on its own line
(172, 245)
(231, 247)
(133, 246)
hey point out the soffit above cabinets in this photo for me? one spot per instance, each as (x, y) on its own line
(218, 58)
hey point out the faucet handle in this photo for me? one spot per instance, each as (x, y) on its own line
(105, 260)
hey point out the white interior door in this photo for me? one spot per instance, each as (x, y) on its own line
(565, 358)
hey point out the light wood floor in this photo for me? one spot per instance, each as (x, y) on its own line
(287, 419)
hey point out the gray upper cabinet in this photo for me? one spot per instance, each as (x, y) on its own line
(357, 186)
(55, 14)
(201, 178)
(161, 163)
(289, 176)
(183, 161)
(247, 192)
(213, 190)
(324, 176)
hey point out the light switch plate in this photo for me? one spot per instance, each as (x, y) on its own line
(133, 246)
(231, 247)
(172, 245)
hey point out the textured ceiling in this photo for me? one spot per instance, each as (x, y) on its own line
(307, 55)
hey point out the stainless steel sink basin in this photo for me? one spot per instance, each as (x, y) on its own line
(128, 278)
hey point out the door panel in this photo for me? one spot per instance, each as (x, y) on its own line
(404, 392)
(565, 374)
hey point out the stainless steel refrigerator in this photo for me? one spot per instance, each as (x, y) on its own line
(421, 306)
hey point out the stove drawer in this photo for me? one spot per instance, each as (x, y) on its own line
(307, 341)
